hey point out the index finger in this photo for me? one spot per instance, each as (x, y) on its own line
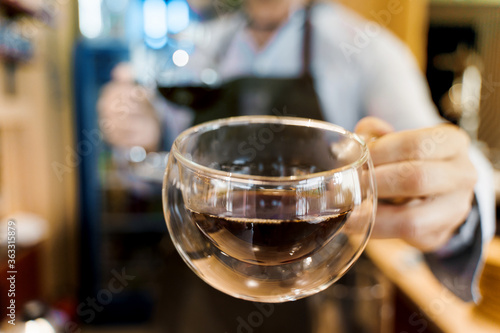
(439, 142)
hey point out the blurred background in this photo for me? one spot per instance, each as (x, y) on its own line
(87, 214)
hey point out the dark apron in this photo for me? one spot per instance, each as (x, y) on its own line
(214, 311)
(254, 96)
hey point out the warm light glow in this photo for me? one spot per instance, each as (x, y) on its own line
(471, 89)
(90, 18)
(39, 325)
(180, 58)
(251, 283)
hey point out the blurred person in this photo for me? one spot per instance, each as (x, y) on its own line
(320, 60)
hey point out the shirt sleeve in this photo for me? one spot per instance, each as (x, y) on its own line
(395, 89)
(459, 263)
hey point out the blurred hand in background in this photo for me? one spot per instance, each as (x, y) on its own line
(126, 116)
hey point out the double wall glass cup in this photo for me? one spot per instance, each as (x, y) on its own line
(269, 209)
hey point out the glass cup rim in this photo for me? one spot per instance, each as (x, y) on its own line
(241, 120)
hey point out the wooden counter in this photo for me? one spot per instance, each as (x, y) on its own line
(405, 267)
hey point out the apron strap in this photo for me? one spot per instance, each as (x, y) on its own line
(306, 47)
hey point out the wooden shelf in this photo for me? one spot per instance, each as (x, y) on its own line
(405, 267)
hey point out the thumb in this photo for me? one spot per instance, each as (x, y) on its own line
(370, 128)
